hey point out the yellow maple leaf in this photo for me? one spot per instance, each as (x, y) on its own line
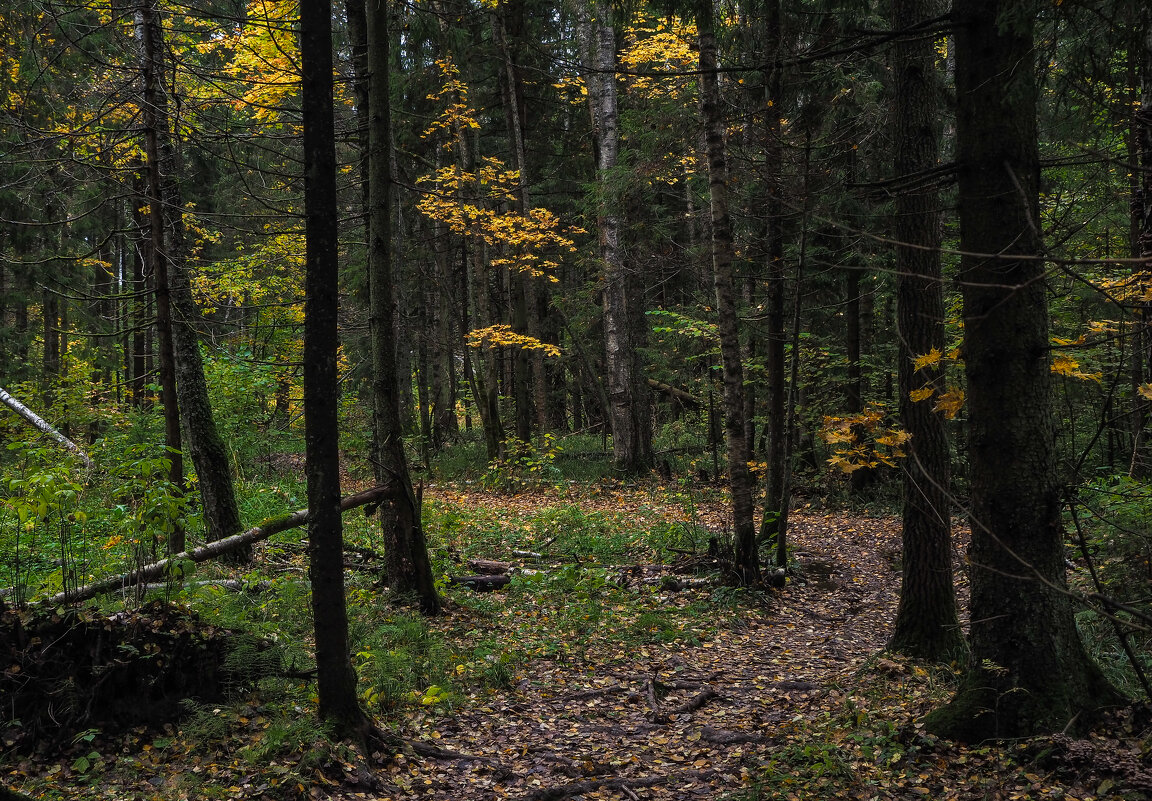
(950, 402)
(929, 359)
(1065, 365)
(1145, 390)
(923, 393)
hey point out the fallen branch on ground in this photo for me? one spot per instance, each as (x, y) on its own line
(40, 423)
(212, 550)
(697, 701)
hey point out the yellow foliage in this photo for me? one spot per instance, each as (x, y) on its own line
(502, 336)
(923, 393)
(1145, 391)
(865, 439)
(950, 403)
(930, 359)
(1065, 365)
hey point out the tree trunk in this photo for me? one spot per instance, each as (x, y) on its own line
(926, 625)
(775, 369)
(628, 395)
(1140, 153)
(407, 566)
(335, 678)
(740, 479)
(205, 447)
(1029, 672)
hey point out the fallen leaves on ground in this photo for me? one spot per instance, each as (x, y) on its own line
(783, 694)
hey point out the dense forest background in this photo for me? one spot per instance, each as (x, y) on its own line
(805, 253)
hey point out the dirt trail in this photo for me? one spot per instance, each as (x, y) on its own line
(676, 720)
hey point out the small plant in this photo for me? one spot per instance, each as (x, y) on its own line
(523, 466)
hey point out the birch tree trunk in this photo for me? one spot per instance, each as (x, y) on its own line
(628, 396)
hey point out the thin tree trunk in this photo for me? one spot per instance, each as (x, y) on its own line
(335, 677)
(40, 424)
(407, 566)
(205, 446)
(926, 620)
(739, 476)
(775, 503)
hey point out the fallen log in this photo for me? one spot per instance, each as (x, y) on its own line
(490, 567)
(686, 398)
(480, 583)
(212, 550)
(40, 423)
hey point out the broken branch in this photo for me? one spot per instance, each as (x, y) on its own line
(212, 550)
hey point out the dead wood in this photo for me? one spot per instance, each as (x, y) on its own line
(38, 422)
(212, 550)
(727, 737)
(480, 583)
(490, 567)
(591, 785)
(697, 701)
(686, 398)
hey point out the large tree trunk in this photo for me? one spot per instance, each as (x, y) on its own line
(335, 678)
(205, 447)
(926, 620)
(739, 476)
(1029, 671)
(628, 395)
(407, 565)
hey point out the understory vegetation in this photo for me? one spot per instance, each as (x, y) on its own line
(614, 601)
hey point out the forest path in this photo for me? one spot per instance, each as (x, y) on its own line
(676, 720)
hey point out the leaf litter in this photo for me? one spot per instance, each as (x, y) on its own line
(784, 694)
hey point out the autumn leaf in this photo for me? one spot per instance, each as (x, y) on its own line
(950, 402)
(1065, 365)
(930, 359)
(923, 393)
(502, 336)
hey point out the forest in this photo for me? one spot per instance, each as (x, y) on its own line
(742, 399)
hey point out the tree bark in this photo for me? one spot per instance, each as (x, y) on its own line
(628, 395)
(926, 625)
(407, 566)
(1029, 672)
(775, 503)
(739, 477)
(205, 447)
(335, 678)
